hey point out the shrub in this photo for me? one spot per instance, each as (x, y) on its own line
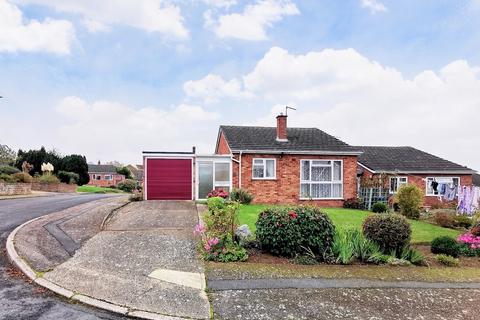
(379, 258)
(462, 221)
(68, 177)
(389, 231)
(8, 170)
(379, 207)
(475, 230)
(413, 256)
(350, 245)
(445, 245)
(285, 231)
(127, 185)
(444, 219)
(47, 178)
(353, 203)
(448, 261)
(410, 201)
(241, 195)
(218, 193)
(22, 177)
(467, 251)
(7, 178)
(136, 196)
(215, 203)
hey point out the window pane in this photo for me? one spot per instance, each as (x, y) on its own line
(258, 171)
(393, 185)
(305, 170)
(325, 190)
(258, 161)
(222, 172)
(305, 190)
(321, 174)
(337, 170)
(270, 168)
(403, 180)
(455, 181)
(205, 179)
(337, 190)
(316, 190)
(320, 163)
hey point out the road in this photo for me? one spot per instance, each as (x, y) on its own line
(20, 299)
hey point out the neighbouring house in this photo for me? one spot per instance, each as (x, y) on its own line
(104, 175)
(407, 165)
(476, 180)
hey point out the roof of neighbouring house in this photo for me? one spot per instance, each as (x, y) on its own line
(406, 159)
(102, 168)
(476, 179)
(244, 138)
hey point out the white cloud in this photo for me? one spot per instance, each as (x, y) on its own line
(374, 6)
(220, 3)
(252, 23)
(19, 34)
(150, 15)
(212, 88)
(107, 130)
(366, 103)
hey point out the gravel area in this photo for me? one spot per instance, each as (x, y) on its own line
(387, 304)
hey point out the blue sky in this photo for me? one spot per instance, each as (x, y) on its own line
(110, 81)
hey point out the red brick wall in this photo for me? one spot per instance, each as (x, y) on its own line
(222, 147)
(286, 187)
(10, 189)
(54, 187)
(116, 179)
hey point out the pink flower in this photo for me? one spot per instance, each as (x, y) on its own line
(470, 239)
(212, 241)
(199, 229)
(207, 247)
(293, 214)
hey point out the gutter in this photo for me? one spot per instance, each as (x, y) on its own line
(338, 153)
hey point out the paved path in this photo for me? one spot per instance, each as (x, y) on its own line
(18, 298)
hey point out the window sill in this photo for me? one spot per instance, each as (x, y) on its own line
(264, 179)
(308, 199)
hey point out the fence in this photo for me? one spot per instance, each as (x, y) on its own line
(370, 196)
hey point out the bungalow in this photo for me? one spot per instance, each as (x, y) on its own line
(291, 165)
(407, 165)
(103, 175)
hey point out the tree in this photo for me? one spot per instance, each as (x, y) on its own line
(7, 155)
(126, 172)
(37, 157)
(78, 164)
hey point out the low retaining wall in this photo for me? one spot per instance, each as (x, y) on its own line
(54, 187)
(10, 189)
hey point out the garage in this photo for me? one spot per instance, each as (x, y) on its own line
(168, 178)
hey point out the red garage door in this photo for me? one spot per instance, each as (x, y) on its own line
(169, 179)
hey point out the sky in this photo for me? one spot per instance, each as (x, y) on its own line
(111, 78)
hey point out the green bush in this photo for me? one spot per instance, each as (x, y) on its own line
(447, 260)
(467, 251)
(391, 232)
(68, 177)
(353, 203)
(413, 256)
(410, 201)
(8, 170)
(444, 219)
(23, 177)
(7, 178)
(215, 203)
(47, 178)
(350, 244)
(379, 207)
(241, 195)
(127, 185)
(288, 231)
(445, 245)
(462, 221)
(379, 258)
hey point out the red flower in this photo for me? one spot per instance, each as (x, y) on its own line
(293, 214)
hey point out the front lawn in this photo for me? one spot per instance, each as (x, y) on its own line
(94, 189)
(422, 232)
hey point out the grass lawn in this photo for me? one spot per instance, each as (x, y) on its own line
(422, 232)
(94, 189)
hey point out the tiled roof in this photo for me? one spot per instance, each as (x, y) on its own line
(101, 168)
(299, 139)
(405, 159)
(476, 179)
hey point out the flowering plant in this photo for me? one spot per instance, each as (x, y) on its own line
(218, 193)
(470, 239)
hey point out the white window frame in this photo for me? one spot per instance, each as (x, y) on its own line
(96, 176)
(108, 177)
(216, 184)
(398, 183)
(264, 163)
(437, 178)
(331, 183)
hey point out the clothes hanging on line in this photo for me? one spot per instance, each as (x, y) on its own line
(450, 193)
(468, 198)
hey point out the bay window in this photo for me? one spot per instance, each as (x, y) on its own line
(321, 179)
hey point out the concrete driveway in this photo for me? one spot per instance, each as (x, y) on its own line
(140, 260)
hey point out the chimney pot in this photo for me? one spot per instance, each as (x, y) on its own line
(282, 128)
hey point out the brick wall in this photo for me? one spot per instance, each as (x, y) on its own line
(116, 179)
(286, 187)
(54, 187)
(10, 189)
(222, 147)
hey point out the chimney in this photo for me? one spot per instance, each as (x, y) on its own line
(282, 128)
(98, 162)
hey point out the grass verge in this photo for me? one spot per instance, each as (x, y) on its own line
(94, 189)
